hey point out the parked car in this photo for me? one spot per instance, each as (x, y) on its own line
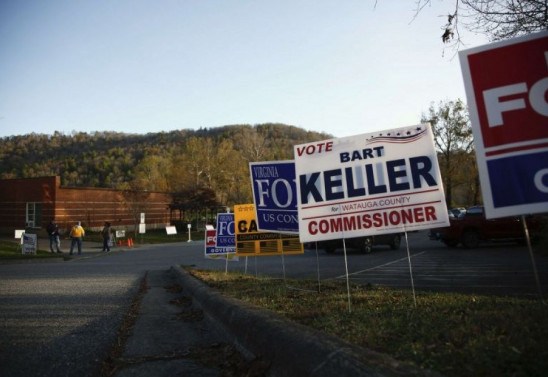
(472, 228)
(364, 244)
(457, 212)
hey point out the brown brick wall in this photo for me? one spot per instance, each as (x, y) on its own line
(16, 193)
(91, 206)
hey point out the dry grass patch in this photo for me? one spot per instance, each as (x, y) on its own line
(455, 334)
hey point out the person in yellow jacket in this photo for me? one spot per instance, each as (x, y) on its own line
(77, 234)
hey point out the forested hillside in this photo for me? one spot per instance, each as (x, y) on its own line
(210, 162)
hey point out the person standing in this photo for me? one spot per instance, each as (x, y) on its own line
(107, 236)
(77, 234)
(54, 240)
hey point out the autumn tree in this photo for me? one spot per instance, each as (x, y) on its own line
(231, 175)
(192, 163)
(251, 144)
(152, 173)
(135, 199)
(454, 143)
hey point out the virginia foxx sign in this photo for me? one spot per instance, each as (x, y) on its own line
(274, 194)
(225, 240)
(507, 90)
(369, 184)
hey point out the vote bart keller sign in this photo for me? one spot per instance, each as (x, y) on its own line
(507, 87)
(274, 194)
(369, 184)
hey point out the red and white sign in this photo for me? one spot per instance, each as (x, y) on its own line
(382, 182)
(507, 87)
(210, 240)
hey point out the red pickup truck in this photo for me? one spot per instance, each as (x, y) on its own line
(472, 228)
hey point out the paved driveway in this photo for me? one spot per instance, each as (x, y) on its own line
(501, 269)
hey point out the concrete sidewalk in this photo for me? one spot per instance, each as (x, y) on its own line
(170, 336)
(184, 328)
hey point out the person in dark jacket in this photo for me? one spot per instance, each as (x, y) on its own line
(107, 236)
(54, 240)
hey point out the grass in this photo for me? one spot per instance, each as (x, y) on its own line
(12, 250)
(454, 334)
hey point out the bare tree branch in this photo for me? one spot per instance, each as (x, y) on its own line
(498, 19)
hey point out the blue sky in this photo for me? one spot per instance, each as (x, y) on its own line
(139, 66)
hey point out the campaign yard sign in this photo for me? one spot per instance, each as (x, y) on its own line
(274, 194)
(30, 243)
(251, 242)
(507, 87)
(225, 237)
(210, 241)
(382, 182)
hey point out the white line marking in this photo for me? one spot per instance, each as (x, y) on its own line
(379, 266)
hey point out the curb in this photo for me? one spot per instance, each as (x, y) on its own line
(290, 348)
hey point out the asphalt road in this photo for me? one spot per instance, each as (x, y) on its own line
(498, 269)
(61, 318)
